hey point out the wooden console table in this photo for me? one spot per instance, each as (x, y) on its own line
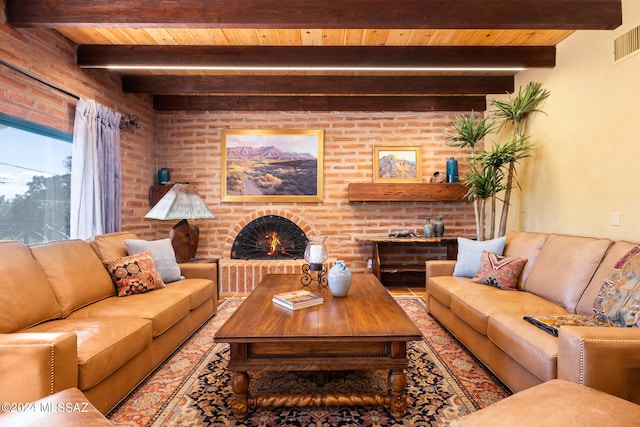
(378, 269)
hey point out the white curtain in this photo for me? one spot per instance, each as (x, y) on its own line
(95, 171)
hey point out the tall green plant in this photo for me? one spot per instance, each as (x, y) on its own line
(467, 133)
(515, 113)
(483, 182)
(493, 171)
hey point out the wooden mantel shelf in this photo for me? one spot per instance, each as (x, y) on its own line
(418, 192)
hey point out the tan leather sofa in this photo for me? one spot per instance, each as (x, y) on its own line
(563, 275)
(62, 325)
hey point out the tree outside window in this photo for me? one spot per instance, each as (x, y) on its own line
(35, 175)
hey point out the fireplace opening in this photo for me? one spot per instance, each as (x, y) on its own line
(270, 237)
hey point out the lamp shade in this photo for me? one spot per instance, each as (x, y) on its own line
(181, 202)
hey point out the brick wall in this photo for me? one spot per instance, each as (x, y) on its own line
(51, 57)
(189, 144)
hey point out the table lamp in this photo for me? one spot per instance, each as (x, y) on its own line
(182, 202)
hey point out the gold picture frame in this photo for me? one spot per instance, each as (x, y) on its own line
(281, 165)
(397, 163)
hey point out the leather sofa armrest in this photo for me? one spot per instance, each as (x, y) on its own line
(607, 359)
(200, 270)
(35, 365)
(436, 268)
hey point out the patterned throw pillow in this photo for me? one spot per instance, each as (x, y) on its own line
(618, 301)
(499, 271)
(134, 274)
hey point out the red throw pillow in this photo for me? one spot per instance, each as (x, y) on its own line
(499, 271)
(134, 274)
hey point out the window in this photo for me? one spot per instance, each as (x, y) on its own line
(35, 176)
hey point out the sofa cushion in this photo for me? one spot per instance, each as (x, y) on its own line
(470, 254)
(111, 245)
(18, 267)
(104, 344)
(564, 267)
(499, 271)
(530, 346)
(199, 291)
(164, 257)
(523, 244)
(164, 309)
(618, 301)
(617, 251)
(443, 287)
(135, 274)
(476, 306)
(75, 273)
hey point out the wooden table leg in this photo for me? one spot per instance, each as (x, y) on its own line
(397, 397)
(240, 387)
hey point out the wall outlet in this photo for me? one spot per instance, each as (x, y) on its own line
(615, 218)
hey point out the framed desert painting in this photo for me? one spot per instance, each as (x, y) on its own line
(272, 165)
(397, 163)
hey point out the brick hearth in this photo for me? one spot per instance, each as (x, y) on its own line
(239, 276)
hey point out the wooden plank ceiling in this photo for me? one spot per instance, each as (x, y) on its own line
(322, 55)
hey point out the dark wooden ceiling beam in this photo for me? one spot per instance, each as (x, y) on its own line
(328, 85)
(320, 103)
(100, 56)
(403, 14)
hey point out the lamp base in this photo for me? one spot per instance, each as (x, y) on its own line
(184, 239)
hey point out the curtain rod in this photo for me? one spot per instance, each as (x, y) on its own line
(38, 79)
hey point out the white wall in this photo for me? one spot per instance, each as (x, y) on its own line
(587, 159)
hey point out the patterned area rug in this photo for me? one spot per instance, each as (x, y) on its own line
(192, 388)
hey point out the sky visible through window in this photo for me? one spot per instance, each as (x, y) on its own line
(24, 155)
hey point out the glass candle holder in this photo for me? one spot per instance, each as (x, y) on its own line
(316, 252)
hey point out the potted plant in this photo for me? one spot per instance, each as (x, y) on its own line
(514, 113)
(467, 134)
(493, 171)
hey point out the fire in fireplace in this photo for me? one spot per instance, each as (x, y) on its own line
(270, 237)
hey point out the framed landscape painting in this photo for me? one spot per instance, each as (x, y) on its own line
(397, 163)
(272, 165)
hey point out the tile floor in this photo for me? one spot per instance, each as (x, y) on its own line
(403, 291)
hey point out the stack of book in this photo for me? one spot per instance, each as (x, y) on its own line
(295, 300)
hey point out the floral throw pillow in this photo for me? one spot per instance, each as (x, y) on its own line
(499, 271)
(618, 301)
(134, 274)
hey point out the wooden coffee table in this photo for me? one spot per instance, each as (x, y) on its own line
(367, 330)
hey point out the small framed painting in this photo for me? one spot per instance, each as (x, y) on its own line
(272, 165)
(397, 163)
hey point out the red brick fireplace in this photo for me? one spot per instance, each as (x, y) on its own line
(240, 274)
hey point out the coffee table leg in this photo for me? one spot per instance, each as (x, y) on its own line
(398, 399)
(240, 387)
